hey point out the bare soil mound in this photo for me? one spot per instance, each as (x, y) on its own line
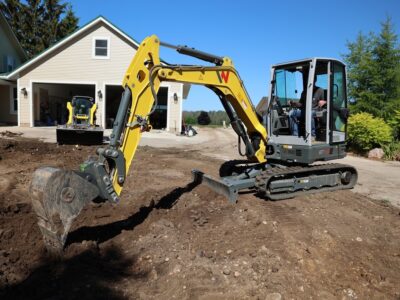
(169, 238)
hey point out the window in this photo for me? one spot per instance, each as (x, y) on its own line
(8, 63)
(339, 103)
(101, 47)
(13, 100)
(290, 84)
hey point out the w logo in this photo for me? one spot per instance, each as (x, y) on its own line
(223, 75)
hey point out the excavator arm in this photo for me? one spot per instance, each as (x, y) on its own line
(141, 83)
(58, 195)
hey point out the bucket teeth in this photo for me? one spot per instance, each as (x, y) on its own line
(58, 197)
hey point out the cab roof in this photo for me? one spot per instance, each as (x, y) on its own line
(305, 60)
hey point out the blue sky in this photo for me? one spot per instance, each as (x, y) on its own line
(255, 34)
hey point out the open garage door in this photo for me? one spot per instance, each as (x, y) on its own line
(159, 118)
(113, 97)
(50, 101)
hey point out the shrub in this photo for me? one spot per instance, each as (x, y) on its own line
(190, 120)
(392, 151)
(394, 122)
(366, 132)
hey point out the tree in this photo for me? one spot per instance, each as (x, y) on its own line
(203, 118)
(394, 122)
(373, 65)
(190, 120)
(39, 24)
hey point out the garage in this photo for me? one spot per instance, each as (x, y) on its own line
(50, 101)
(113, 95)
(158, 119)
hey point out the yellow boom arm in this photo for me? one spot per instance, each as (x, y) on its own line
(142, 81)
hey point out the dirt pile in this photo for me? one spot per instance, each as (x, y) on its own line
(169, 238)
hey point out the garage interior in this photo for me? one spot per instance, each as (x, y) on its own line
(113, 98)
(50, 101)
(158, 119)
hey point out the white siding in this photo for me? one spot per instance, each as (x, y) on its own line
(174, 114)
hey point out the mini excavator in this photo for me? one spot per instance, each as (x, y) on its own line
(278, 164)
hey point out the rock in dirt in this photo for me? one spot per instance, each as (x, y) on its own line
(273, 296)
(226, 271)
(376, 153)
(8, 234)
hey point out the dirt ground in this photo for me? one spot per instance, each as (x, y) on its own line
(379, 180)
(171, 239)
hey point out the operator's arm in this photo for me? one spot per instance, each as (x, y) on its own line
(318, 98)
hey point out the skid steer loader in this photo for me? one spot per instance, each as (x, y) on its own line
(80, 128)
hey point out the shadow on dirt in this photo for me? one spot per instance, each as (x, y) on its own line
(88, 275)
(102, 233)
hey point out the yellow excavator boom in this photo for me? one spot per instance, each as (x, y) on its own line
(143, 79)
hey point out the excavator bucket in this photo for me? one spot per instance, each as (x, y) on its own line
(74, 136)
(58, 196)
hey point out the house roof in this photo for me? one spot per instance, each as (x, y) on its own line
(94, 22)
(12, 36)
(262, 106)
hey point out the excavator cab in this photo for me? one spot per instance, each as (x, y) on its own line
(307, 111)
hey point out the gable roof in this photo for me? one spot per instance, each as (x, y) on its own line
(262, 106)
(12, 35)
(94, 22)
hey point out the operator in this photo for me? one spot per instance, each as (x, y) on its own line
(298, 111)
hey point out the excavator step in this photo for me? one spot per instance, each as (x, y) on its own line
(74, 136)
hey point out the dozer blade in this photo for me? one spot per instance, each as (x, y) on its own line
(72, 136)
(58, 197)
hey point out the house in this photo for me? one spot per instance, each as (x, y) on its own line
(90, 62)
(11, 56)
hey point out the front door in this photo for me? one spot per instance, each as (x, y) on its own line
(338, 104)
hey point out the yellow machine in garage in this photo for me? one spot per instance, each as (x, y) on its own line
(278, 164)
(80, 128)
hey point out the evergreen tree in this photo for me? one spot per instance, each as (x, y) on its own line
(38, 24)
(373, 65)
(203, 118)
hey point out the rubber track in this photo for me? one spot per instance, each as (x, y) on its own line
(275, 173)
